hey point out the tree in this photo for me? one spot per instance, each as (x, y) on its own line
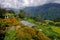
(10, 11)
(28, 15)
(22, 14)
(37, 17)
(57, 19)
(2, 12)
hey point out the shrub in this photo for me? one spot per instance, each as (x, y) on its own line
(1, 20)
(11, 21)
(57, 19)
(3, 25)
(57, 24)
(41, 36)
(26, 32)
(15, 21)
(8, 21)
(30, 33)
(10, 35)
(51, 23)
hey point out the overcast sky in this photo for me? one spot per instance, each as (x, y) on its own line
(24, 3)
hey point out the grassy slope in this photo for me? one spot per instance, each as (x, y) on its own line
(46, 29)
(56, 29)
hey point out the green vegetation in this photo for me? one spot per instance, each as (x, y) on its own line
(10, 35)
(56, 29)
(13, 29)
(2, 11)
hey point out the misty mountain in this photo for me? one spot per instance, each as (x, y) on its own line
(48, 11)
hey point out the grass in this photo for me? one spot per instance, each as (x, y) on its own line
(49, 30)
(10, 35)
(56, 29)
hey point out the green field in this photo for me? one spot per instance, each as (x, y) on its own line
(56, 29)
(49, 30)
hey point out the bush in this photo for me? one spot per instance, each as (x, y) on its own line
(25, 32)
(8, 21)
(30, 33)
(11, 21)
(42, 36)
(15, 21)
(51, 23)
(57, 24)
(2, 24)
(57, 19)
(10, 35)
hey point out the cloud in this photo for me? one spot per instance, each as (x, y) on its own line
(57, 1)
(53, 1)
(24, 3)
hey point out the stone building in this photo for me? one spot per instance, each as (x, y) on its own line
(8, 15)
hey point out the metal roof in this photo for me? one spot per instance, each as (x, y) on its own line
(27, 23)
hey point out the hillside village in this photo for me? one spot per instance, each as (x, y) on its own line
(22, 27)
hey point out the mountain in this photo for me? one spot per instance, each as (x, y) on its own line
(48, 11)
